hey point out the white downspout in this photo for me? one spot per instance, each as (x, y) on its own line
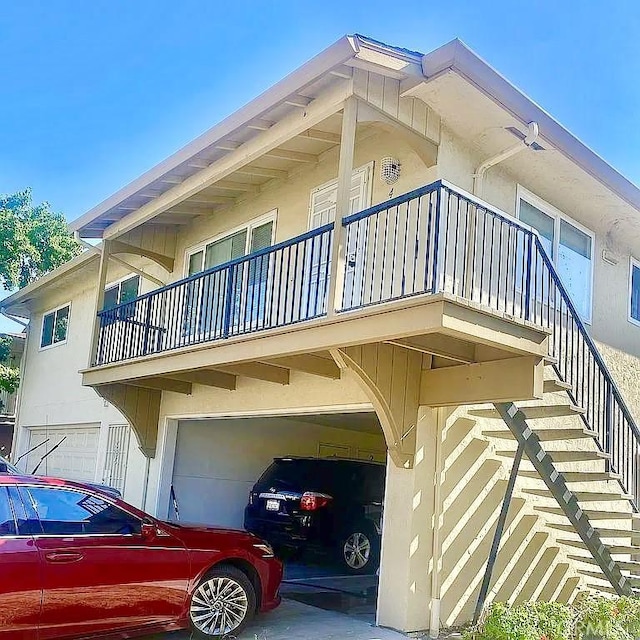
(529, 140)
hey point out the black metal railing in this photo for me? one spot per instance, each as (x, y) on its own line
(436, 239)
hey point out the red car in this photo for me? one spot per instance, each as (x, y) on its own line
(76, 563)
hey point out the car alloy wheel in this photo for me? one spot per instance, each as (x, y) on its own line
(219, 606)
(357, 551)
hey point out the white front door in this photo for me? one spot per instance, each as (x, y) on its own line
(322, 211)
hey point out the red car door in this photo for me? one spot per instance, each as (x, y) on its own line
(20, 579)
(99, 572)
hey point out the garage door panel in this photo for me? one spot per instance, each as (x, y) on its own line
(75, 458)
(219, 501)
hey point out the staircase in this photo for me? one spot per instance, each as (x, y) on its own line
(583, 445)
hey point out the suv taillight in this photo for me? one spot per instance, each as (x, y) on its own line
(311, 500)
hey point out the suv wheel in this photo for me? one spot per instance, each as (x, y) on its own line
(223, 602)
(359, 549)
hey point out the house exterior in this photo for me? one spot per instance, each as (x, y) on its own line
(8, 401)
(386, 255)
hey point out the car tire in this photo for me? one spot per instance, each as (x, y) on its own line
(359, 549)
(222, 603)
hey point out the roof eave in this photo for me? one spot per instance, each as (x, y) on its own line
(338, 53)
(456, 56)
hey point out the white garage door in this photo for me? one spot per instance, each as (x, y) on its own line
(218, 461)
(75, 459)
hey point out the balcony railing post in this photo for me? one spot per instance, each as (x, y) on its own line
(228, 302)
(345, 172)
(147, 327)
(436, 239)
(527, 281)
(97, 324)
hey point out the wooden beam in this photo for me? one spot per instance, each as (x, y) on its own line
(298, 101)
(260, 124)
(208, 377)
(162, 383)
(198, 164)
(321, 136)
(345, 178)
(172, 180)
(211, 200)
(230, 185)
(228, 145)
(159, 258)
(325, 105)
(507, 380)
(341, 74)
(439, 345)
(294, 156)
(308, 363)
(258, 371)
(263, 172)
(173, 220)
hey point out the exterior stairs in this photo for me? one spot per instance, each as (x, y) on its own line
(577, 490)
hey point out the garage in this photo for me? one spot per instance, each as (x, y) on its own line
(217, 462)
(75, 455)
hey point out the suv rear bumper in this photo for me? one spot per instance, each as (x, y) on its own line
(291, 531)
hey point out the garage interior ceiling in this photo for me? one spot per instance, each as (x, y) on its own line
(366, 422)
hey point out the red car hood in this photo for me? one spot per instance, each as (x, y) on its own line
(215, 535)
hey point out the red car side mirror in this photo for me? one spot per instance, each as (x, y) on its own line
(148, 530)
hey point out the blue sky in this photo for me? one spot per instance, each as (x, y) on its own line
(97, 92)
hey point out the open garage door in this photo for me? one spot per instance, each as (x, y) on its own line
(217, 461)
(76, 457)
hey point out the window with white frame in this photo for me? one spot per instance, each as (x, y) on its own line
(55, 325)
(634, 294)
(122, 291)
(568, 244)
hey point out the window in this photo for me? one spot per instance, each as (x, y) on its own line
(569, 246)
(634, 298)
(121, 292)
(7, 523)
(66, 512)
(204, 303)
(55, 325)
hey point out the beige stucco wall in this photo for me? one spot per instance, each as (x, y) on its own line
(52, 394)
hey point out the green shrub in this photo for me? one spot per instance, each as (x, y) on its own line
(592, 618)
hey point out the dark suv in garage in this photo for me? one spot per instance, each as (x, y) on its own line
(331, 503)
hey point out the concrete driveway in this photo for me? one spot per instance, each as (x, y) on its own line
(297, 621)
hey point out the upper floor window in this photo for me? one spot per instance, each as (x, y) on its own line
(568, 244)
(634, 297)
(252, 237)
(55, 326)
(121, 292)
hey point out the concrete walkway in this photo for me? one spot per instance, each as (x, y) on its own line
(297, 621)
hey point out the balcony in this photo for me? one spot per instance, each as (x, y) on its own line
(433, 245)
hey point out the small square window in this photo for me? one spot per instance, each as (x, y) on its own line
(55, 325)
(634, 308)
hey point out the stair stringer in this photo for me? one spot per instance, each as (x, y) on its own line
(565, 497)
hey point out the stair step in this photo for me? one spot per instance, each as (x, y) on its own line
(613, 549)
(592, 574)
(592, 514)
(533, 412)
(583, 496)
(603, 533)
(623, 564)
(564, 456)
(546, 435)
(549, 360)
(576, 476)
(607, 588)
(554, 386)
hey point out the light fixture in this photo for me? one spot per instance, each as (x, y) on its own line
(389, 170)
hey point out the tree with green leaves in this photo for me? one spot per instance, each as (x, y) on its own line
(33, 241)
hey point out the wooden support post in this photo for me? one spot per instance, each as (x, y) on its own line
(345, 171)
(102, 282)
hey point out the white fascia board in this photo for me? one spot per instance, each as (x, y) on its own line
(335, 55)
(457, 57)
